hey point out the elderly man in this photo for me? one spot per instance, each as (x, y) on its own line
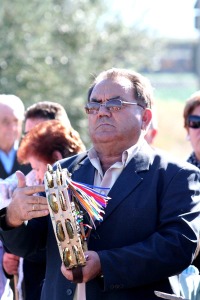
(11, 120)
(150, 228)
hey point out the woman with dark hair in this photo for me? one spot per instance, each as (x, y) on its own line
(191, 117)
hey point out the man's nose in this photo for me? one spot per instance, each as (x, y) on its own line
(103, 110)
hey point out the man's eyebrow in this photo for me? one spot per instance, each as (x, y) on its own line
(95, 100)
(98, 100)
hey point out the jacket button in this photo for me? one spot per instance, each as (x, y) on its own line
(69, 292)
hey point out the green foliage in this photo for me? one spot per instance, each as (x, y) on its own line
(173, 86)
(51, 49)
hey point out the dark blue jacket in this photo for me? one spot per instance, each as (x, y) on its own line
(149, 232)
(16, 166)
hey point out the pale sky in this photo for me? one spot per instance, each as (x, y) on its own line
(172, 18)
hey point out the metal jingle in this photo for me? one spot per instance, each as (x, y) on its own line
(60, 232)
(58, 177)
(49, 179)
(49, 168)
(76, 253)
(69, 228)
(62, 201)
(67, 259)
(53, 203)
(59, 167)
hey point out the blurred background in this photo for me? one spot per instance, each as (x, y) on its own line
(52, 49)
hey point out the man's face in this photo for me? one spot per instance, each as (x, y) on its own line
(31, 123)
(10, 127)
(122, 127)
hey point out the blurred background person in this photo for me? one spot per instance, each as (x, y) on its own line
(33, 269)
(189, 278)
(42, 111)
(11, 120)
(191, 115)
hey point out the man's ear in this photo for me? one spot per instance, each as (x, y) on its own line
(146, 118)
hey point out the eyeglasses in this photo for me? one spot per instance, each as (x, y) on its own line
(193, 121)
(111, 105)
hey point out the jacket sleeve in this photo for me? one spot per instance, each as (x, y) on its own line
(26, 239)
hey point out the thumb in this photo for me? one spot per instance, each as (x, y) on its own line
(21, 179)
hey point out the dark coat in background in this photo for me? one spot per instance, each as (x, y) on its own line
(16, 166)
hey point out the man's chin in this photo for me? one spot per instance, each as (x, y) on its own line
(104, 137)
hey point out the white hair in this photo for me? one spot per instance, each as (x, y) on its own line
(15, 103)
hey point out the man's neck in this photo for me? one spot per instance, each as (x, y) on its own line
(108, 155)
(6, 150)
(108, 161)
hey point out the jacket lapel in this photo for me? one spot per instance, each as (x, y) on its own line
(84, 172)
(128, 180)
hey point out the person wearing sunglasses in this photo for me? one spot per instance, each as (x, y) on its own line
(150, 229)
(191, 115)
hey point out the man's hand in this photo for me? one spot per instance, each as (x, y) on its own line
(25, 205)
(91, 270)
(10, 263)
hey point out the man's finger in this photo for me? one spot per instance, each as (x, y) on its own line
(21, 179)
(30, 190)
(37, 214)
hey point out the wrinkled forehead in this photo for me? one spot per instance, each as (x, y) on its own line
(112, 87)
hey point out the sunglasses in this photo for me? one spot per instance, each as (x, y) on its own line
(112, 105)
(193, 121)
